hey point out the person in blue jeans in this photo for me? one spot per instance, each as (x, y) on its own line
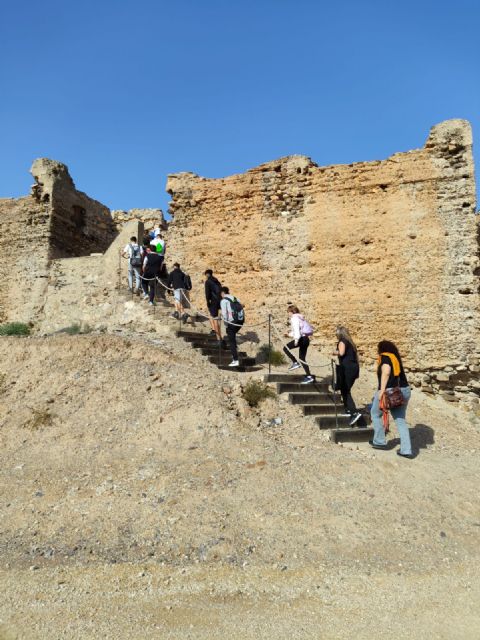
(391, 374)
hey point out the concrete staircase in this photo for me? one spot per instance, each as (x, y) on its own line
(324, 406)
(207, 345)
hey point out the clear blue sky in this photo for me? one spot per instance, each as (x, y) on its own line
(126, 91)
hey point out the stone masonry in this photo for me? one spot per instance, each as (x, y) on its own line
(79, 225)
(388, 248)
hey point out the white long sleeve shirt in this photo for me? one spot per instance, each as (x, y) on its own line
(226, 309)
(295, 324)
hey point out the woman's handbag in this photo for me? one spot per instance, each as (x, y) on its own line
(393, 398)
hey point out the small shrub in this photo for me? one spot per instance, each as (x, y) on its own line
(40, 418)
(76, 328)
(14, 329)
(73, 329)
(256, 391)
(267, 353)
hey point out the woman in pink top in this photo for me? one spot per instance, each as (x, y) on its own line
(300, 331)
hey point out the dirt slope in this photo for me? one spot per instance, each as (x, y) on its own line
(142, 498)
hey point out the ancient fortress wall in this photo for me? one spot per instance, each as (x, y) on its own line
(55, 221)
(388, 248)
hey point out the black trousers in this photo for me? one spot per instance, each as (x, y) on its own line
(148, 285)
(302, 346)
(232, 340)
(350, 374)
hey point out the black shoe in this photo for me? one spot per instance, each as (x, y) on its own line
(410, 456)
(383, 447)
(355, 418)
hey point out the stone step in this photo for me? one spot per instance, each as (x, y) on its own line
(321, 409)
(298, 387)
(241, 368)
(311, 398)
(351, 434)
(227, 358)
(286, 377)
(214, 351)
(329, 422)
(189, 335)
(201, 341)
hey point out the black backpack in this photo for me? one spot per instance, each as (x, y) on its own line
(187, 282)
(238, 313)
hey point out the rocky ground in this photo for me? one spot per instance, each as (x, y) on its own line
(143, 498)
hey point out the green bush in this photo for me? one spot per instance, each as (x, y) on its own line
(14, 329)
(267, 353)
(73, 329)
(256, 391)
(76, 328)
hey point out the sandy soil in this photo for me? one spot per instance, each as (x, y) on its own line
(142, 498)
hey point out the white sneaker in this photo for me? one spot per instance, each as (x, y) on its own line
(308, 380)
(234, 363)
(294, 366)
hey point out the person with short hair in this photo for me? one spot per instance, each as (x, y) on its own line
(213, 296)
(231, 328)
(134, 253)
(177, 282)
(390, 373)
(349, 371)
(301, 341)
(151, 268)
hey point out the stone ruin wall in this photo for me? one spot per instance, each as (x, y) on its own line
(388, 248)
(151, 218)
(55, 221)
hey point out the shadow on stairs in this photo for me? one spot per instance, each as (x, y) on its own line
(211, 348)
(319, 401)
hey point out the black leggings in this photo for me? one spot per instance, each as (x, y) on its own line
(302, 354)
(350, 374)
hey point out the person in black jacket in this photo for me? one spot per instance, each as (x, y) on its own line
(177, 282)
(213, 288)
(152, 263)
(350, 370)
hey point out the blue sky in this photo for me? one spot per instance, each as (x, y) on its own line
(125, 92)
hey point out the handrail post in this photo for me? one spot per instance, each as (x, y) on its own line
(269, 344)
(334, 393)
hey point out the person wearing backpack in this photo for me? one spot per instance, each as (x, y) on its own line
(134, 253)
(213, 296)
(180, 282)
(349, 371)
(151, 268)
(233, 316)
(301, 330)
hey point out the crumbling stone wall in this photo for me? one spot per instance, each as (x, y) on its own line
(388, 248)
(151, 218)
(55, 221)
(79, 225)
(24, 257)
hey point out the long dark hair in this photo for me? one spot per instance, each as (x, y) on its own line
(389, 347)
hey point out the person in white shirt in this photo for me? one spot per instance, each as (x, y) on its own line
(299, 332)
(231, 329)
(133, 252)
(159, 243)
